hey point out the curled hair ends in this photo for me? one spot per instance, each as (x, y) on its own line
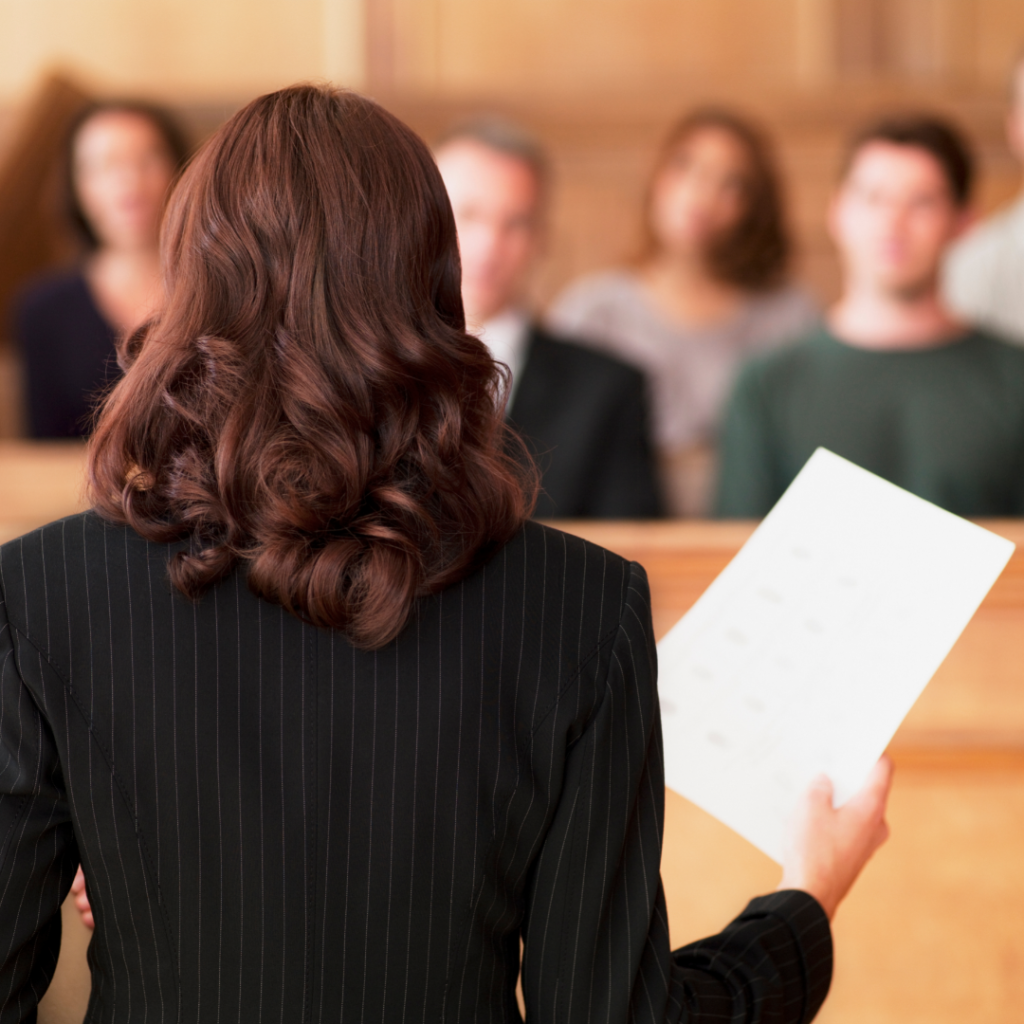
(308, 403)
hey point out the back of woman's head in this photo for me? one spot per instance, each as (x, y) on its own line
(308, 402)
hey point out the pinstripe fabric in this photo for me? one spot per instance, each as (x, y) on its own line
(277, 827)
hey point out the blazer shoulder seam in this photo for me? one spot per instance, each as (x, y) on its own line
(600, 644)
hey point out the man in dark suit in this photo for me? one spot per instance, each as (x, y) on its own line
(583, 414)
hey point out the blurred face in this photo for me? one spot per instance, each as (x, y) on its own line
(701, 192)
(122, 171)
(893, 217)
(496, 201)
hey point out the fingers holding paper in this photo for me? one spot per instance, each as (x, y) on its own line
(827, 847)
(82, 899)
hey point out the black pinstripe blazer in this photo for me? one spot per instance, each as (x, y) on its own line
(278, 827)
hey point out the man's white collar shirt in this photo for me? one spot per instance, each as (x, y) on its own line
(506, 337)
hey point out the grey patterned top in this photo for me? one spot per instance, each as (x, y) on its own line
(690, 371)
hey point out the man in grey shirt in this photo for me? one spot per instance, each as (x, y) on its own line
(984, 274)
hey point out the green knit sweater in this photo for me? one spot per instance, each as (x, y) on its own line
(946, 423)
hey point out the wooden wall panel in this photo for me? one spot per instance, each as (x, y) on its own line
(182, 49)
(531, 47)
(11, 393)
(579, 47)
(927, 40)
(203, 51)
(999, 41)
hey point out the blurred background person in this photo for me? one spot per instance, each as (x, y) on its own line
(121, 159)
(582, 413)
(709, 290)
(984, 278)
(895, 382)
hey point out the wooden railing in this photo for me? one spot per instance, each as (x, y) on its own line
(934, 931)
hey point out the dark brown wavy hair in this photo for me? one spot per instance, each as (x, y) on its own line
(756, 253)
(308, 401)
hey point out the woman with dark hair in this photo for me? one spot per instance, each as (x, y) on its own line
(120, 162)
(329, 723)
(709, 289)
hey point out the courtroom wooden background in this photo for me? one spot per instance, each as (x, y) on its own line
(934, 934)
(599, 80)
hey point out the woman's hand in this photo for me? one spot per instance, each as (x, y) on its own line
(828, 846)
(82, 899)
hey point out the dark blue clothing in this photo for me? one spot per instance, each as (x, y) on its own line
(68, 349)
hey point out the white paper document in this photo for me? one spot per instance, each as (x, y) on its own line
(809, 649)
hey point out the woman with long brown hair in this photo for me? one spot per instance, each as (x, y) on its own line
(709, 289)
(330, 725)
(121, 157)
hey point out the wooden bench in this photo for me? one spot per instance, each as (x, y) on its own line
(933, 932)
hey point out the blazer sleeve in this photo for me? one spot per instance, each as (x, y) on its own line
(38, 853)
(596, 942)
